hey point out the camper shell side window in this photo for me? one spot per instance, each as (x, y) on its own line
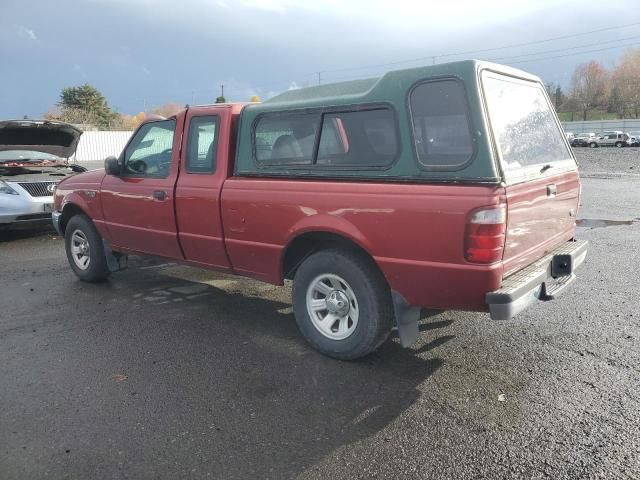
(351, 138)
(441, 125)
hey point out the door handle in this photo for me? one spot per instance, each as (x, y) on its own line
(551, 190)
(159, 195)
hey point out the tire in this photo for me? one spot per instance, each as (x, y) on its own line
(619, 144)
(357, 308)
(593, 145)
(85, 250)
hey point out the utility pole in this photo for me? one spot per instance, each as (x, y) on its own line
(222, 90)
(319, 78)
(433, 60)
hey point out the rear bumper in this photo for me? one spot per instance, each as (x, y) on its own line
(542, 280)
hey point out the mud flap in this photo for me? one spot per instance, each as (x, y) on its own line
(406, 319)
(116, 261)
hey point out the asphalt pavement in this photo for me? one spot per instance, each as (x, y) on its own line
(172, 372)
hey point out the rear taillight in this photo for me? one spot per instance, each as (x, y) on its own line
(485, 234)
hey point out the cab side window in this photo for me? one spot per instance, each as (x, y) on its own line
(149, 152)
(201, 144)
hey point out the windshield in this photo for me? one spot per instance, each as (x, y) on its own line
(523, 123)
(26, 156)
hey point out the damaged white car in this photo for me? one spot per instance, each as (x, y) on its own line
(33, 159)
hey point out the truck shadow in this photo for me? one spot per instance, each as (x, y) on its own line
(273, 405)
(12, 235)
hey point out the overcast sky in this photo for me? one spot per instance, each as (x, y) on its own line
(149, 52)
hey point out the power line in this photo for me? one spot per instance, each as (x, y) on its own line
(518, 58)
(576, 53)
(470, 52)
(537, 42)
(566, 48)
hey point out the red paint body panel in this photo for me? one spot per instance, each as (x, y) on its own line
(83, 192)
(538, 222)
(415, 232)
(198, 195)
(138, 222)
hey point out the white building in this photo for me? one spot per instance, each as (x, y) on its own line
(100, 144)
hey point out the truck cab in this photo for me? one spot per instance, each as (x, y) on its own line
(376, 197)
(163, 194)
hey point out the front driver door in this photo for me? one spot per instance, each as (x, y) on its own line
(138, 203)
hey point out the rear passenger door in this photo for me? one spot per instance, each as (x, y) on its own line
(204, 167)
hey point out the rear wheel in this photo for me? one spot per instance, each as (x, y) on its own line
(619, 144)
(593, 145)
(85, 251)
(342, 303)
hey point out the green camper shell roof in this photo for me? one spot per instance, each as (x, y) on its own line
(390, 89)
(345, 93)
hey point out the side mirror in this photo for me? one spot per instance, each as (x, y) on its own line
(111, 166)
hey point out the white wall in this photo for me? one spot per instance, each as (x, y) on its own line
(99, 145)
(599, 126)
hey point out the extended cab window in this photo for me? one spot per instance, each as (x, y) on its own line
(201, 144)
(441, 128)
(361, 138)
(286, 138)
(149, 152)
(523, 123)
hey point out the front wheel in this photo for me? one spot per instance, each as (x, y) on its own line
(593, 145)
(342, 303)
(619, 144)
(85, 251)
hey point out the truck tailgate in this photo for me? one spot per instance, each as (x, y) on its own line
(541, 214)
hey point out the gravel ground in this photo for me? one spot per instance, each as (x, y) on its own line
(617, 161)
(174, 372)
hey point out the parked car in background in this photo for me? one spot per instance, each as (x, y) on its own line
(610, 139)
(634, 139)
(33, 159)
(582, 139)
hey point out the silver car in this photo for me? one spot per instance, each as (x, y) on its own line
(611, 139)
(33, 159)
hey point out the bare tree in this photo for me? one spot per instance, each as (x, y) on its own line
(589, 87)
(167, 109)
(624, 92)
(77, 116)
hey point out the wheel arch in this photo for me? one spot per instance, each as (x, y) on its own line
(305, 243)
(69, 210)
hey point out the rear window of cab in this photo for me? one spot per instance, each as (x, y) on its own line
(362, 137)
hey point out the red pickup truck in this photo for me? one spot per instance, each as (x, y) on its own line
(446, 187)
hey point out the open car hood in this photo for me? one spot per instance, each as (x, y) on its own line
(56, 138)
